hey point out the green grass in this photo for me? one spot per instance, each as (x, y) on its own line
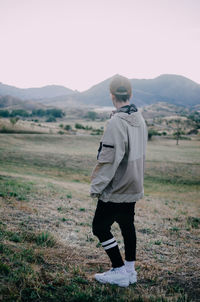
(16, 131)
(21, 282)
(20, 189)
(15, 188)
(45, 239)
(194, 222)
(34, 266)
(38, 155)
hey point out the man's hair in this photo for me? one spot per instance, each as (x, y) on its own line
(121, 88)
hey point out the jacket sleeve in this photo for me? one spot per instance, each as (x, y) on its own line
(111, 152)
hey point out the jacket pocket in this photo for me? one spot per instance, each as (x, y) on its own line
(106, 154)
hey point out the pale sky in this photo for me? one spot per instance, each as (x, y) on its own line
(78, 43)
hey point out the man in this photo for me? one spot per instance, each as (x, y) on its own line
(117, 182)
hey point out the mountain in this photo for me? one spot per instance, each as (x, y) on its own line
(169, 88)
(10, 102)
(174, 89)
(34, 93)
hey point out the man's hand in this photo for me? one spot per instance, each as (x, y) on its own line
(95, 195)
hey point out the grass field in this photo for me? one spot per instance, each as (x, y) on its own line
(47, 249)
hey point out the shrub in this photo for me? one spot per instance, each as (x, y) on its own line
(92, 115)
(4, 113)
(88, 127)
(19, 112)
(68, 127)
(79, 126)
(97, 132)
(4, 130)
(178, 133)
(152, 132)
(39, 112)
(195, 117)
(14, 120)
(69, 195)
(51, 119)
(193, 131)
(55, 112)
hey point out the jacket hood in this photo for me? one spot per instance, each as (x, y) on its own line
(128, 109)
(130, 114)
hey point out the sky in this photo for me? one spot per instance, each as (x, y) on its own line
(79, 43)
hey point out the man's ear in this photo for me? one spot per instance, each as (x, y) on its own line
(113, 97)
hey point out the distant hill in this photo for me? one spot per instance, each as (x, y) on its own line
(7, 101)
(174, 89)
(34, 93)
(163, 109)
(10, 102)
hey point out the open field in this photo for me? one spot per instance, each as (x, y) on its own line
(48, 252)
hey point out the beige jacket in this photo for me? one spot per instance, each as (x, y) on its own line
(119, 173)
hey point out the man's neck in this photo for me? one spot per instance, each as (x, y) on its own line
(121, 104)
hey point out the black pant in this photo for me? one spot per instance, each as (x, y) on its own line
(123, 213)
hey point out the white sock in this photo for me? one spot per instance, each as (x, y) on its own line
(121, 269)
(130, 266)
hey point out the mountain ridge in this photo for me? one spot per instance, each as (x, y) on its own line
(34, 92)
(174, 89)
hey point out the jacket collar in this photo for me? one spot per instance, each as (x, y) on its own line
(126, 109)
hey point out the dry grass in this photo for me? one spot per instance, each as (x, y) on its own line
(42, 127)
(59, 203)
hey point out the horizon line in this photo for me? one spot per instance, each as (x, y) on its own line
(80, 91)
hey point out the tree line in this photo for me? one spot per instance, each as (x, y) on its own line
(55, 112)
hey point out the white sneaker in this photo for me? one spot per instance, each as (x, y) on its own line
(114, 276)
(132, 277)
